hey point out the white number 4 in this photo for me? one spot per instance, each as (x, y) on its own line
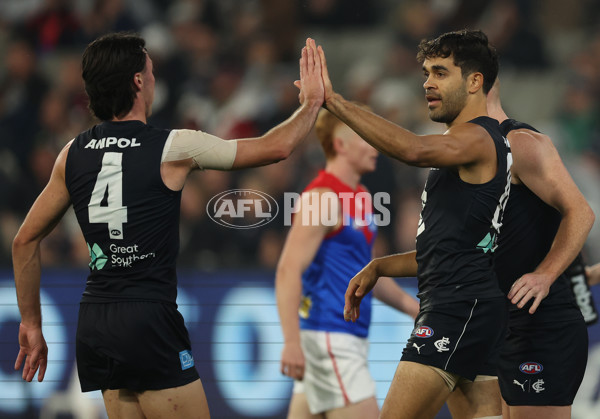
(109, 182)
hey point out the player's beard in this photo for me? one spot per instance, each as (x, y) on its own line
(452, 106)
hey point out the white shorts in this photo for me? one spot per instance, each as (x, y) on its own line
(336, 372)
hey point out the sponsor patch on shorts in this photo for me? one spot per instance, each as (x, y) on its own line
(186, 359)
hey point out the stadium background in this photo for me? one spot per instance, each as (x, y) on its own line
(227, 67)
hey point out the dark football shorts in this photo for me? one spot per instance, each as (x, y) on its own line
(462, 337)
(134, 345)
(543, 366)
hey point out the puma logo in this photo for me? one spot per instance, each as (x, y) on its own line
(418, 347)
(520, 385)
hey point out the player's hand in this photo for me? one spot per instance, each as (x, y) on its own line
(530, 286)
(292, 360)
(593, 274)
(311, 82)
(325, 74)
(359, 286)
(33, 351)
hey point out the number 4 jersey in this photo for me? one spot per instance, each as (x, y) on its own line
(129, 218)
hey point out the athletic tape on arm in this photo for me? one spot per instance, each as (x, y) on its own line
(208, 151)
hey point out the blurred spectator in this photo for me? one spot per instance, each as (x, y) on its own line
(338, 13)
(55, 26)
(511, 28)
(107, 16)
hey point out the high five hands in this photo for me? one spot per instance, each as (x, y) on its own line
(314, 80)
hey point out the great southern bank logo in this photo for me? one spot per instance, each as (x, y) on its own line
(242, 208)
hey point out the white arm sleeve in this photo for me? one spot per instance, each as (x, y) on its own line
(208, 151)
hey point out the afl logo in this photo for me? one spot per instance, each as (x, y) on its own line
(242, 208)
(423, 332)
(531, 367)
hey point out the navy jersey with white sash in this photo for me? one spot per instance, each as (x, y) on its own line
(527, 235)
(129, 218)
(459, 227)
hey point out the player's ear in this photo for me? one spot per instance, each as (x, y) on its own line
(475, 82)
(339, 145)
(137, 80)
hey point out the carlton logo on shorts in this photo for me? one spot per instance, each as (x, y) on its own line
(531, 367)
(186, 359)
(423, 332)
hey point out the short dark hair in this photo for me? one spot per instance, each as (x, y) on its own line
(108, 66)
(470, 51)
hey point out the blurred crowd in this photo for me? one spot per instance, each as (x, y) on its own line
(227, 67)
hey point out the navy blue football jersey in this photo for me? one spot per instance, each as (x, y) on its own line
(129, 218)
(459, 227)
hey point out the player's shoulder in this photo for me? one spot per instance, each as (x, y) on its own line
(472, 134)
(525, 137)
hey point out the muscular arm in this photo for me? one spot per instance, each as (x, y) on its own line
(462, 145)
(187, 150)
(300, 248)
(539, 167)
(45, 213)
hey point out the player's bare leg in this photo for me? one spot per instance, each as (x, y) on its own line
(122, 404)
(417, 391)
(299, 408)
(365, 409)
(505, 410)
(188, 401)
(478, 399)
(538, 412)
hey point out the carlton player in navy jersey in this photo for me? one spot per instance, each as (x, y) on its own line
(330, 240)
(124, 180)
(463, 315)
(546, 223)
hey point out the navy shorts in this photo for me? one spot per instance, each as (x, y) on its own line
(543, 365)
(134, 345)
(462, 337)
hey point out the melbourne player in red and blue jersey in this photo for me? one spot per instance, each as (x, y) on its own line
(330, 240)
(343, 252)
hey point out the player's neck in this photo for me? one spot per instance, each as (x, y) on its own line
(343, 171)
(495, 111)
(137, 113)
(474, 108)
